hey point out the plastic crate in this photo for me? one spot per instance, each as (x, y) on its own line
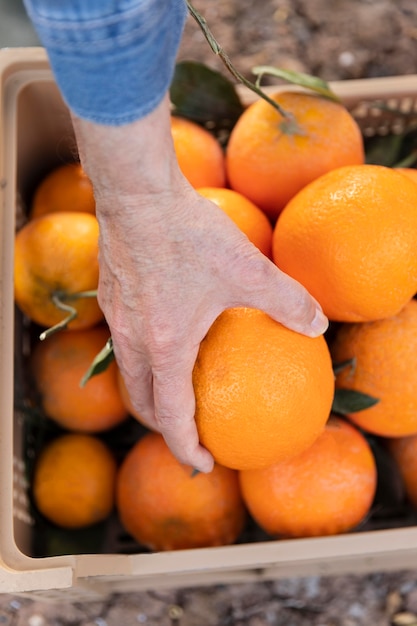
(36, 134)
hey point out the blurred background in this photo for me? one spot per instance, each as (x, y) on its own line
(15, 27)
(349, 39)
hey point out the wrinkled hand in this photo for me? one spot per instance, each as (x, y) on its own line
(170, 263)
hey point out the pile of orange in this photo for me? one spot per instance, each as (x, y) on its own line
(297, 186)
(56, 261)
(270, 158)
(56, 276)
(74, 481)
(59, 363)
(199, 154)
(326, 490)
(383, 355)
(164, 506)
(247, 216)
(65, 188)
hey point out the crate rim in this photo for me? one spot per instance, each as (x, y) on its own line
(365, 551)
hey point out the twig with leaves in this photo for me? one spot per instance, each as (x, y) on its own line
(61, 301)
(218, 50)
(312, 83)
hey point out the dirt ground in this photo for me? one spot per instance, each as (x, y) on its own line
(335, 40)
(343, 39)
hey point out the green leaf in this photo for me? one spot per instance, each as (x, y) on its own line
(408, 161)
(204, 96)
(348, 401)
(384, 150)
(392, 150)
(339, 367)
(297, 78)
(100, 362)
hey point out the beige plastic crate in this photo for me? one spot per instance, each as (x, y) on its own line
(35, 134)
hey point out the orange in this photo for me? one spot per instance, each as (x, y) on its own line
(408, 171)
(124, 394)
(58, 365)
(384, 354)
(350, 237)
(404, 452)
(65, 188)
(199, 154)
(164, 506)
(326, 490)
(246, 215)
(263, 392)
(56, 255)
(74, 481)
(269, 159)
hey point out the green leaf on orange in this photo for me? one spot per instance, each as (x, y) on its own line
(339, 367)
(348, 401)
(313, 83)
(100, 362)
(204, 96)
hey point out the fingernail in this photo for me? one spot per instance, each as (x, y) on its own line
(320, 323)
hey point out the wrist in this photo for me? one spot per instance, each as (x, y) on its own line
(122, 160)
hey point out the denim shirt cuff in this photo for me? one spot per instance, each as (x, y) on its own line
(111, 68)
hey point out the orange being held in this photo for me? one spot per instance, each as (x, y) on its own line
(199, 154)
(66, 188)
(411, 172)
(327, 489)
(263, 392)
(382, 355)
(59, 363)
(74, 481)
(246, 215)
(404, 452)
(165, 506)
(56, 256)
(269, 157)
(350, 237)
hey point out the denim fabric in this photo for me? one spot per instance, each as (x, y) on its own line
(113, 60)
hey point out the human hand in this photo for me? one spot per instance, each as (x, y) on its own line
(170, 263)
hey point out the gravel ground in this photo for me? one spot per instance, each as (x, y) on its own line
(355, 39)
(375, 600)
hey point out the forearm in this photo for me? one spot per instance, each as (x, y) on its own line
(113, 61)
(121, 160)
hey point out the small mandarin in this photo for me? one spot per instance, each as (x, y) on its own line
(269, 159)
(199, 154)
(164, 506)
(327, 489)
(247, 216)
(58, 364)
(65, 188)
(383, 366)
(56, 255)
(74, 481)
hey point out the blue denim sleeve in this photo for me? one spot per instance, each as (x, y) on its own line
(113, 60)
